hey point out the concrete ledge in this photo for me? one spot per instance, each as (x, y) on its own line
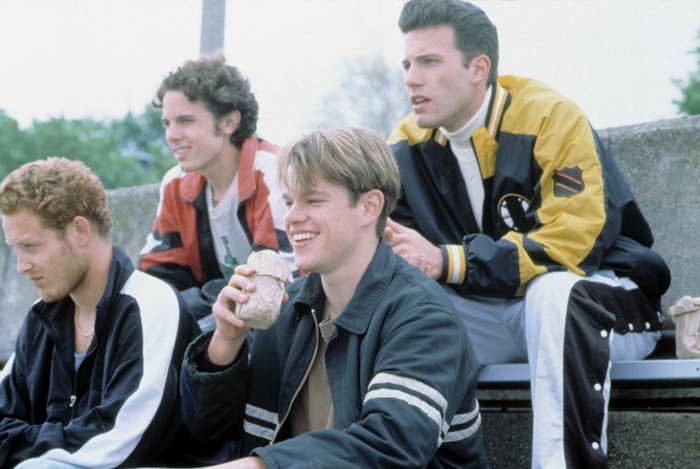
(641, 371)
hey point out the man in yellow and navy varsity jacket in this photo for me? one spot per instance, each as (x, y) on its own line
(510, 199)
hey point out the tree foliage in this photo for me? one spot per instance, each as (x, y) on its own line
(371, 94)
(690, 89)
(122, 152)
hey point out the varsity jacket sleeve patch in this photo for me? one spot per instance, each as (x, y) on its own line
(421, 397)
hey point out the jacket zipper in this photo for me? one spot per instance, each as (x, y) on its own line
(301, 385)
(74, 396)
(69, 372)
(77, 378)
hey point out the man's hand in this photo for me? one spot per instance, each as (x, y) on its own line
(413, 247)
(231, 330)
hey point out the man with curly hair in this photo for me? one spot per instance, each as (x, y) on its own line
(221, 201)
(93, 378)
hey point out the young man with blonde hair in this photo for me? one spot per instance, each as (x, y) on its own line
(93, 379)
(368, 364)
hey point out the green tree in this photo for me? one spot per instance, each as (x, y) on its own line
(11, 144)
(690, 89)
(370, 94)
(122, 152)
(142, 138)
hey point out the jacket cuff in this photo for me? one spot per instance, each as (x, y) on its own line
(268, 459)
(197, 362)
(454, 263)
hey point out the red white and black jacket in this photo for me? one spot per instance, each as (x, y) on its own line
(180, 247)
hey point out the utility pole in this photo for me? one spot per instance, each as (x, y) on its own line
(213, 23)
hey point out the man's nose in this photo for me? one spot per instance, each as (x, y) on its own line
(412, 78)
(293, 214)
(172, 132)
(23, 264)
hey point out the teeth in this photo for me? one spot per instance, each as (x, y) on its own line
(304, 236)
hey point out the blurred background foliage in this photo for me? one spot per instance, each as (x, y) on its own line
(123, 152)
(690, 88)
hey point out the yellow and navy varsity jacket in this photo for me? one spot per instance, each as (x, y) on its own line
(554, 197)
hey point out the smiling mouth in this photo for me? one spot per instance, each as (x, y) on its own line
(298, 237)
(419, 100)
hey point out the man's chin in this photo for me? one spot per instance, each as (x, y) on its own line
(425, 122)
(51, 297)
(185, 168)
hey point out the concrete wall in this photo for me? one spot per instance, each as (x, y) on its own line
(661, 160)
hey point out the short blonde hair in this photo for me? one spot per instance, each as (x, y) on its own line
(57, 190)
(354, 158)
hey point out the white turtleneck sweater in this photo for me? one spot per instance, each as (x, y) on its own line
(464, 152)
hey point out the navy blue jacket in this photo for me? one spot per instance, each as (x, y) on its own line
(401, 371)
(119, 407)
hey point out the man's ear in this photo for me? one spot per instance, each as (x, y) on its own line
(372, 205)
(230, 122)
(481, 67)
(79, 230)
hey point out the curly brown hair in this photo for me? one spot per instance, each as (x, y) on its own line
(57, 190)
(220, 87)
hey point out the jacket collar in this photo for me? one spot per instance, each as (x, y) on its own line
(357, 314)
(120, 269)
(500, 100)
(191, 185)
(247, 183)
(57, 313)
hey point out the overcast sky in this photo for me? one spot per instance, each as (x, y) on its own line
(101, 58)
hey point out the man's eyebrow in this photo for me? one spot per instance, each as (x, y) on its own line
(304, 192)
(314, 192)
